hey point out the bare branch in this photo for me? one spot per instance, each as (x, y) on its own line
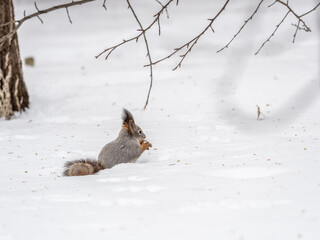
(245, 22)
(296, 15)
(272, 33)
(299, 18)
(142, 31)
(189, 45)
(148, 51)
(40, 12)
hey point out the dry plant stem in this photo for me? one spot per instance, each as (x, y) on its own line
(142, 31)
(37, 14)
(192, 42)
(148, 51)
(272, 33)
(245, 23)
(159, 27)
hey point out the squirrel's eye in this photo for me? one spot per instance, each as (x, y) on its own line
(140, 132)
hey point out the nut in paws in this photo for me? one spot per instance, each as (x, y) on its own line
(146, 145)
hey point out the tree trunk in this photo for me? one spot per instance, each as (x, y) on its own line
(13, 92)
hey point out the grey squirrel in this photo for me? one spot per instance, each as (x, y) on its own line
(127, 147)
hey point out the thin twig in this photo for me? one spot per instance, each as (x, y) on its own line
(8, 23)
(296, 15)
(300, 28)
(245, 22)
(212, 29)
(299, 18)
(272, 33)
(165, 8)
(142, 31)
(272, 4)
(104, 5)
(68, 15)
(148, 52)
(35, 4)
(40, 12)
(159, 27)
(189, 45)
(295, 33)
(302, 15)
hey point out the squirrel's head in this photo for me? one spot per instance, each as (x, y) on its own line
(129, 124)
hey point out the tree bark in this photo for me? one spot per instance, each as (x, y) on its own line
(13, 92)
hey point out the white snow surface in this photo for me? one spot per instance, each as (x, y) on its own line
(214, 172)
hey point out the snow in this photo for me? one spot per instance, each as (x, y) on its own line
(214, 172)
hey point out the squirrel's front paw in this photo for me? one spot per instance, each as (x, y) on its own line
(145, 145)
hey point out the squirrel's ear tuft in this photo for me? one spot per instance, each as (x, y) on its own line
(127, 116)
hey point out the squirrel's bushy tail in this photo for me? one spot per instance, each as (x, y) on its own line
(82, 167)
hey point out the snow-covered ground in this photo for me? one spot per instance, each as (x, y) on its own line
(214, 172)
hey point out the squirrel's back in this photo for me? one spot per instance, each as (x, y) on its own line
(82, 167)
(124, 149)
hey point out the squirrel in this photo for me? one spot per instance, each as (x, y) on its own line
(126, 148)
